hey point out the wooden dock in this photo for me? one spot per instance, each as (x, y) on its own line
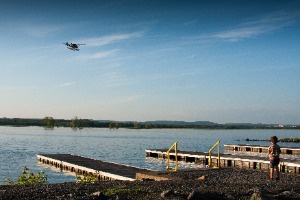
(83, 166)
(227, 160)
(295, 151)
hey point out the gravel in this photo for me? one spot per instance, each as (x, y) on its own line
(225, 183)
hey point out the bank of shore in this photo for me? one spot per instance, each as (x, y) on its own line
(226, 183)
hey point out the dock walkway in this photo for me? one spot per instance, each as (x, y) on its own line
(82, 165)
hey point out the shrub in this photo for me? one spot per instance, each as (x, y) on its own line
(86, 178)
(29, 178)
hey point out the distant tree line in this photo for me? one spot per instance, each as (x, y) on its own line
(75, 122)
(296, 140)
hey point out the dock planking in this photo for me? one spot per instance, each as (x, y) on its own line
(83, 165)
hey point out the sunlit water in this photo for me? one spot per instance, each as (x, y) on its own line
(19, 146)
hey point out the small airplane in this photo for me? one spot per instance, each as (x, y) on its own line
(71, 46)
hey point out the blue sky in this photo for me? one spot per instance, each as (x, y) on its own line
(221, 61)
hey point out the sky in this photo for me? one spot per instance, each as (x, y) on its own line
(220, 61)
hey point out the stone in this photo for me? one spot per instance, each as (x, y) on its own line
(121, 198)
(256, 196)
(201, 178)
(166, 193)
(194, 195)
(98, 195)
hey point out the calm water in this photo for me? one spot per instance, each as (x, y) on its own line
(19, 145)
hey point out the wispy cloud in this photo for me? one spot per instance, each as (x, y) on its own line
(125, 99)
(41, 30)
(105, 40)
(114, 78)
(257, 26)
(98, 55)
(104, 54)
(68, 84)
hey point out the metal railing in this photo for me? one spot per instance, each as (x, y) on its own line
(209, 153)
(176, 158)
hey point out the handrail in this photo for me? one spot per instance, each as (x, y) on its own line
(176, 158)
(209, 152)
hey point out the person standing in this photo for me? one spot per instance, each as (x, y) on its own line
(274, 152)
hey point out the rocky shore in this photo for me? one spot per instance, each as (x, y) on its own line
(226, 183)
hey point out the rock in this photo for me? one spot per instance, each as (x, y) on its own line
(148, 179)
(256, 196)
(121, 198)
(288, 195)
(196, 195)
(201, 178)
(193, 195)
(166, 193)
(98, 195)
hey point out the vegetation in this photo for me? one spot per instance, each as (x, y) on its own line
(87, 178)
(75, 123)
(49, 122)
(289, 140)
(111, 192)
(113, 125)
(123, 190)
(29, 178)
(279, 140)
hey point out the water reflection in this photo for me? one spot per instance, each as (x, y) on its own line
(160, 164)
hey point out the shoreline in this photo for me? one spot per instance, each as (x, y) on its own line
(224, 183)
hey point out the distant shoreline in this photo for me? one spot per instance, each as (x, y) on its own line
(50, 122)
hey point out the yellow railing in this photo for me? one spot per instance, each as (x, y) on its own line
(209, 153)
(176, 158)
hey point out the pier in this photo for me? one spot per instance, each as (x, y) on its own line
(261, 149)
(227, 160)
(84, 166)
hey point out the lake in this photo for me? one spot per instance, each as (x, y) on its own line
(19, 145)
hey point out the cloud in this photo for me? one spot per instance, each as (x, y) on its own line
(42, 30)
(254, 27)
(105, 40)
(98, 55)
(125, 99)
(114, 78)
(104, 54)
(65, 84)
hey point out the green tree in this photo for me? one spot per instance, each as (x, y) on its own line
(49, 122)
(114, 125)
(137, 125)
(76, 123)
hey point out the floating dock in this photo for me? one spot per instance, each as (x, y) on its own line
(84, 166)
(113, 171)
(295, 151)
(227, 160)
